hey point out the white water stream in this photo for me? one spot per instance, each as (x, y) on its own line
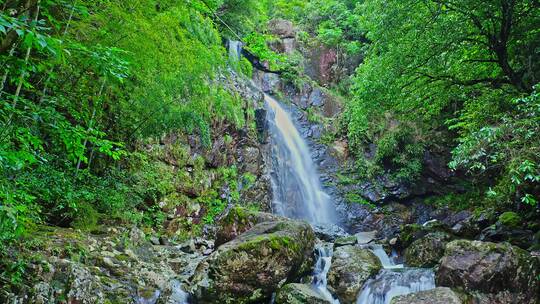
(297, 191)
(393, 280)
(320, 273)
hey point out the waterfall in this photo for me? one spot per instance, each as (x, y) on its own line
(235, 50)
(391, 283)
(386, 261)
(297, 191)
(394, 280)
(322, 266)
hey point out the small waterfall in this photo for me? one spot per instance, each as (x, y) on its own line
(235, 50)
(322, 266)
(394, 280)
(296, 186)
(391, 283)
(386, 261)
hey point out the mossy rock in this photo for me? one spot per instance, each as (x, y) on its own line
(412, 232)
(490, 268)
(86, 218)
(299, 294)
(510, 219)
(427, 251)
(347, 240)
(351, 267)
(237, 221)
(439, 295)
(251, 267)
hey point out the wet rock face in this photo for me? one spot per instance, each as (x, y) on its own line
(440, 295)
(351, 268)
(490, 271)
(427, 251)
(251, 267)
(299, 294)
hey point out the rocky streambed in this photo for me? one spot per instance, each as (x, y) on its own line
(261, 258)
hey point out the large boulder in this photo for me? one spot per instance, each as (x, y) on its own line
(329, 232)
(299, 294)
(351, 268)
(251, 267)
(237, 221)
(488, 270)
(440, 295)
(427, 251)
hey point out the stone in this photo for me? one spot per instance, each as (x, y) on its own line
(351, 268)
(82, 287)
(500, 232)
(237, 221)
(270, 83)
(501, 271)
(346, 241)
(316, 98)
(340, 150)
(366, 236)
(249, 160)
(329, 232)
(282, 28)
(412, 232)
(440, 295)
(262, 125)
(427, 251)
(299, 294)
(289, 45)
(252, 266)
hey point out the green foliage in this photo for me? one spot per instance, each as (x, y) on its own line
(336, 23)
(287, 9)
(357, 199)
(448, 73)
(457, 201)
(81, 79)
(509, 147)
(257, 43)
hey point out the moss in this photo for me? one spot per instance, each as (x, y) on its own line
(86, 218)
(408, 231)
(510, 219)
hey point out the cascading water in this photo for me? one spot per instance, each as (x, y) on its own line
(297, 193)
(296, 186)
(297, 190)
(235, 50)
(394, 280)
(391, 283)
(386, 261)
(322, 266)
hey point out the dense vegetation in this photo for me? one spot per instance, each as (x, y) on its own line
(85, 85)
(456, 77)
(457, 73)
